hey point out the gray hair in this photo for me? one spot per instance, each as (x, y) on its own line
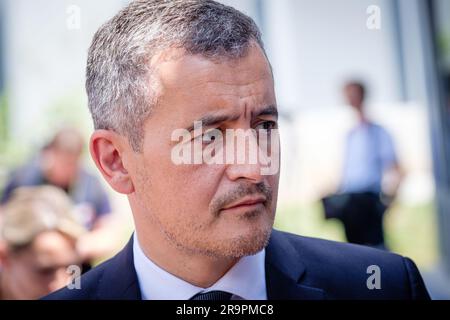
(120, 85)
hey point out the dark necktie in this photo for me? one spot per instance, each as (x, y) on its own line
(212, 296)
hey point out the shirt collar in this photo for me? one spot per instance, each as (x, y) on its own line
(245, 280)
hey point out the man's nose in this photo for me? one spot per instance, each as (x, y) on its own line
(246, 163)
(245, 171)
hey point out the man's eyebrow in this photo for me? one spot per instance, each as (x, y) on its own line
(268, 111)
(213, 119)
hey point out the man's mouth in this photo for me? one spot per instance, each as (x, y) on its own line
(247, 203)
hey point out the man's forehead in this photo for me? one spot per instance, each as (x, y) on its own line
(192, 86)
(177, 69)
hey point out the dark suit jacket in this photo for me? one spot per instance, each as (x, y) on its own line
(296, 268)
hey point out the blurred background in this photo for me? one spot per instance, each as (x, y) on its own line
(399, 50)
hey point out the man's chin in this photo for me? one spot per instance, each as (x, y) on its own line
(244, 244)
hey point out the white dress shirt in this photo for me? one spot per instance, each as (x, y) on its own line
(245, 280)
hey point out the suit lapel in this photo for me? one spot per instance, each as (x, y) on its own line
(119, 280)
(285, 271)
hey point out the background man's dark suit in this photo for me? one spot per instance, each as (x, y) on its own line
(296, 268)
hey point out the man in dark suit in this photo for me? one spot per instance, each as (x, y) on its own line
(296, 268)
(182, 98)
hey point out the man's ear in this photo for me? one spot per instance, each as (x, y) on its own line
(106, 148)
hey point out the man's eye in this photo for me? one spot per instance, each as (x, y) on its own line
(266, 125)
(210, 136)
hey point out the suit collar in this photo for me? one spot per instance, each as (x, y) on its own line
(285, 272)
(119, 280)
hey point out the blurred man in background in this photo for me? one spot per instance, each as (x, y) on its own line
(369, 157)
(38, 242)
(59, 164)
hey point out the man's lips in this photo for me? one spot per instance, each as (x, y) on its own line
(246, 202)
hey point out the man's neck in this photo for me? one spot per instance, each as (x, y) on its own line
(199, 270)
(362, 117)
